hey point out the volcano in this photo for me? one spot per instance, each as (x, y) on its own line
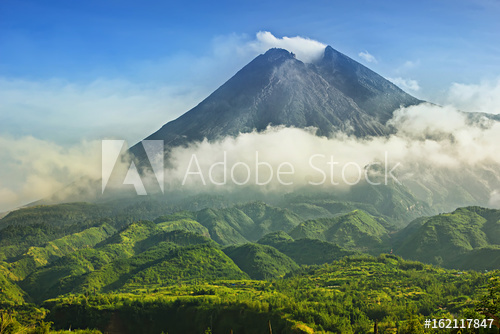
(333, 94)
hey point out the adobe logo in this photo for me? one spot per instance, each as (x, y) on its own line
(111, 150)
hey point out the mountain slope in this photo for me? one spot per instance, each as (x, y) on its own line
(234, 225)
(394, 202)
(150, 257)
(372, 93)
(260, 261)
(165, 263)
(60, 275)
(304, 251)
(40, 256)
(333, 94)
(9, 290)
(356, 230)
(461, 239)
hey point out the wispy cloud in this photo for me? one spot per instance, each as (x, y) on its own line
(305, 49)
(366, 56)
(410, 64)
(67, 112)
(31, 169)
(406, 84)
(483, 97)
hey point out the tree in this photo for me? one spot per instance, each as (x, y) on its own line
(489, 305)
(6, 322)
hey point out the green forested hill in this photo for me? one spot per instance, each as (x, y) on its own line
(183, 224)
(346, 296)
(206, 255)
(356, 230)
(56, 215)
(52, 250)
(305, 250)
(235, 225)
(260, 261)
(164, 263)
(394, 202)
(9, 290)
(466, 238)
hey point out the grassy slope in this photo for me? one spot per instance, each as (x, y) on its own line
(142, 252)
(304, 251)
(356, 230)
(260, 261)
(235, 225)
(460, 239)
(466, 238)
(58, 276)
(345, 296)
(40, 256)
(9, 290)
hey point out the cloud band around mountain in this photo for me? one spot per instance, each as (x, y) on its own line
(429, 140)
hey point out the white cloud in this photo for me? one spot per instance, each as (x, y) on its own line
(483, 97)
(31, 168)
(495, 199)
(66, 112)
(410, 64)
(406, 84)
(368, 57)
(305, 49)
(446, 128)
(429, 139)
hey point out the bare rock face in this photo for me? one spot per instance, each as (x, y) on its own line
(333, 94)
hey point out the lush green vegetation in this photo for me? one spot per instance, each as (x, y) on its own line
(148, 267)
(261, 261)
(394, 202)
(467, 238)
(345, 296)
(39, 256)
(305, 250)
(234, 225)
(356, 230)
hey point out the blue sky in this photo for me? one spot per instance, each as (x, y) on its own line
(74, 72)
(79, 40)
(178, 52)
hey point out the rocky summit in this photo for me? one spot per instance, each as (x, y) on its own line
(335, 93)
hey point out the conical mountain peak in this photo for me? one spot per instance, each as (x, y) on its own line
(333, 94)
(275, 54)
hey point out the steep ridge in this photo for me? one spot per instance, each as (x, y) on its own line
(468, 238)
(334, 94)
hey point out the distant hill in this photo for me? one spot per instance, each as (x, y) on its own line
(235, 225)
(62, 214)
(356, 230)
(260, 261)
(140, 254)
(466, 238)
(41, 258)
(396, 203)
(304, 251)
